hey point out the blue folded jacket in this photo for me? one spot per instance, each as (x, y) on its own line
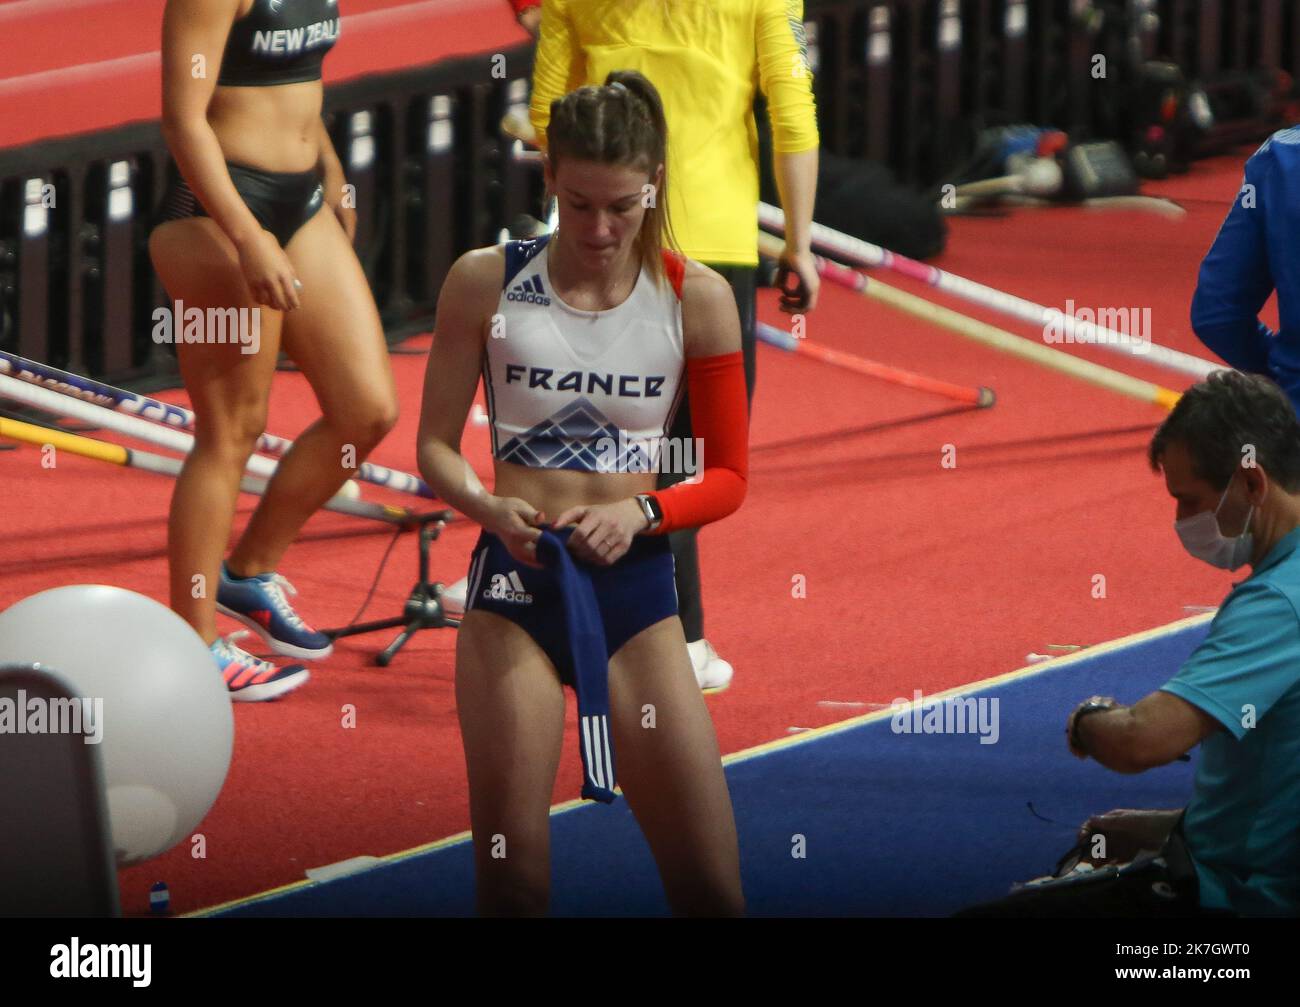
(586, 635)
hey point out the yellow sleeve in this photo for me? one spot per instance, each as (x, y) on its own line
(557, 59)
(784, 76)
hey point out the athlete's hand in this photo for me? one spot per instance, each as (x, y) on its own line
(515, 522)
(268, 272)
(605, 531)
(804, 268)
(348, 218)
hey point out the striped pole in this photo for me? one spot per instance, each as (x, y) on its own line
(116, 454)
(989, 335)
(863, 253)
(131, 426)
(134, 404)
(773, 336)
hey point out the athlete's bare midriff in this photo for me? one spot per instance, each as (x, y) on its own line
(553, 491)
(275, 128)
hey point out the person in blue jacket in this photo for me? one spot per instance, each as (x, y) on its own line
(1256, 252)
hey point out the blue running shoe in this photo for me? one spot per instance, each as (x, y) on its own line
(260, 604)
(249, 678)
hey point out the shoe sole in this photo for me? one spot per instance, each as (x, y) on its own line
(279, 646)
(270, 690)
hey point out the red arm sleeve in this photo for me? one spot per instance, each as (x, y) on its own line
(522, 5)
(720, 421)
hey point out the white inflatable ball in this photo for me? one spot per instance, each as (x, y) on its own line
(167, 728)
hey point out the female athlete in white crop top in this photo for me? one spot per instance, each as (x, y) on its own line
(557, 386)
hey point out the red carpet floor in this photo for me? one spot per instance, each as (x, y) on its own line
(54, 55)
(918, 576)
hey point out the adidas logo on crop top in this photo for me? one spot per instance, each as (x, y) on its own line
(529, 291)
(563, 385)
(279, 42)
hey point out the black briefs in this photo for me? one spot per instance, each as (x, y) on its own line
(281, 201)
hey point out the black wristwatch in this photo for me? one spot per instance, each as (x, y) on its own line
(1092, 706)
(652, 511)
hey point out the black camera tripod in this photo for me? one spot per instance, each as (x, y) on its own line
(423, 609)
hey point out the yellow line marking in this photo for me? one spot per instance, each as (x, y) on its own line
(1030, 670)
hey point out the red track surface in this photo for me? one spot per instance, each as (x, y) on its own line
(918, 577)
(58, 61)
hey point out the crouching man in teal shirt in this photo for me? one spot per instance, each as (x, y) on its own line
(1230, 452)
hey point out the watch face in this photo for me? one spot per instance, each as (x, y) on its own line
(651, 509)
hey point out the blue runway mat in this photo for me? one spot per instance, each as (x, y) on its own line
(893, 824)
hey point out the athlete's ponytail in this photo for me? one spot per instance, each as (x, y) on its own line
(620, 123)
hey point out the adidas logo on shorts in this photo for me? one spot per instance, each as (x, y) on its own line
(530, 291)
(507, 587)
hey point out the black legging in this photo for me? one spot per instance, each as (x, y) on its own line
(686, 554)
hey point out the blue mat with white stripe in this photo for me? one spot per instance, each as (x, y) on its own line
(861, 820)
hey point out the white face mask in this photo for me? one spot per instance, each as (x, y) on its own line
(1202, 538)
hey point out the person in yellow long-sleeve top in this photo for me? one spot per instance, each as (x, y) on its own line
(707, 58)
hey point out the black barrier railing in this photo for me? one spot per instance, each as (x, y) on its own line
(421, 147)
(897, 78)
(433, 176)
(897, 81)
(1207, 37)
(995, 72)
(76, 285)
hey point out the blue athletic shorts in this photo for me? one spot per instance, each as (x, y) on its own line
(637, 591)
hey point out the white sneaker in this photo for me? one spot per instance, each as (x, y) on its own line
(711, 671)
(453, 598)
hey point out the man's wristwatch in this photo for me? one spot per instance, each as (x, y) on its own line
(1092, 706)
(654, 514)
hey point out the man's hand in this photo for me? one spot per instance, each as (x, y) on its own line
(802, 266)
(605, 531)
(1120, 835)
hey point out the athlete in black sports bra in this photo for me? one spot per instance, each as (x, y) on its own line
(279, 42)
(240, 226)
(276, 42)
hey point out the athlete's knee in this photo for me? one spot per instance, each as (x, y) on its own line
(233, 436)
(368, 424)
(386, 417)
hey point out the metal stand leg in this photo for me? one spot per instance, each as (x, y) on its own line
(423, 608)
